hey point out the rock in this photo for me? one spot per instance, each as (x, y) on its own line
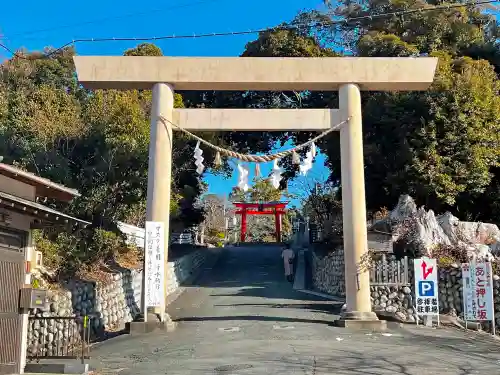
(406, 207)
(390, 309)
(479, 252)
(401, 316)
(422, 230)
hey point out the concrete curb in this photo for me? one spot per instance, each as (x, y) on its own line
(300, 275)
(323, 295)
(57, 368)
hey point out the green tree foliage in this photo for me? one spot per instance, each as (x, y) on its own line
(323, 207)
(144, 49)
(260, 191)
(322, 202)
(96, 142)
(441, 146)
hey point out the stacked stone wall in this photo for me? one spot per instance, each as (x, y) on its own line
(395, 301)
(108, 305)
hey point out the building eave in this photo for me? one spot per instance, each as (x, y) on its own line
(42, 214)
(43, 186)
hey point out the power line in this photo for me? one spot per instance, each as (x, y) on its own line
(179, 6)
(295, 26)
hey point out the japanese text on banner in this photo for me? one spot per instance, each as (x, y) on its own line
(468, 289)
(155, 239)
(478, 291)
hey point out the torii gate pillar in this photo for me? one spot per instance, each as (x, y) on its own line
(357, 282)
(346, 74)
(160, 174)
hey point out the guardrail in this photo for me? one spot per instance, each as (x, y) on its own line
(59, 337)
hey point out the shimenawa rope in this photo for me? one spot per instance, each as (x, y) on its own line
(250, 157)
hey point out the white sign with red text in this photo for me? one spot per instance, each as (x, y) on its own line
(477, 282)
(426, 286)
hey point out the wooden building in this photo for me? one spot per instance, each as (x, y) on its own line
(21, 211)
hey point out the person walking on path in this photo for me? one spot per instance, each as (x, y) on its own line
(288, 256)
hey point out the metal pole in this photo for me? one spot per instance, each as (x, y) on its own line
(464, 308)
(225, 219)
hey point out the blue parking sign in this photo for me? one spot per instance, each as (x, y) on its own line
(426, 289)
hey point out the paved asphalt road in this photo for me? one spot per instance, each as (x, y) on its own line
(242, 317)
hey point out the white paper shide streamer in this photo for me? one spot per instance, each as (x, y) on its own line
(243, 177)
(276, 174)
(198, 157)
(306, 164)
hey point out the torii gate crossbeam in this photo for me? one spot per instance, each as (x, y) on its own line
(348, 75)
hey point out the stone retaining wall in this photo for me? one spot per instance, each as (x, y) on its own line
(450, 291)
(112, 304)
(395, 301)
(328, 273)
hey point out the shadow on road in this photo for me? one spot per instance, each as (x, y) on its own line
(251, 281)
(252, 318)
(327, 307)
(347, 362)
(476, 345)
(250, 272)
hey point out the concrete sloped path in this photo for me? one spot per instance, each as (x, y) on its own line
(243, 317)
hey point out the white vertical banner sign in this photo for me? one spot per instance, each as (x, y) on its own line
(426, 287)
(468, 288)
(477, 279)
(155, 264)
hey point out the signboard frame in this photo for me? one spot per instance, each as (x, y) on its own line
(154, 267)
(478, 292)
(426, 288)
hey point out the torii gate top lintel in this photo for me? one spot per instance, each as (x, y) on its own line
(276, 205)
(256, 73)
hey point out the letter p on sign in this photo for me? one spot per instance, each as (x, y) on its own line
(426, 288)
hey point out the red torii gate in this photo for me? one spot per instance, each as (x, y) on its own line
(273, 208)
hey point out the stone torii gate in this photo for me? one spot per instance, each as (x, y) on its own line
(348, 75)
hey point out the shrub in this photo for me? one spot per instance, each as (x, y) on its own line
(446, 255)
(69, 254)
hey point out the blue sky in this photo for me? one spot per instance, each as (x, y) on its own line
(37, 24)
